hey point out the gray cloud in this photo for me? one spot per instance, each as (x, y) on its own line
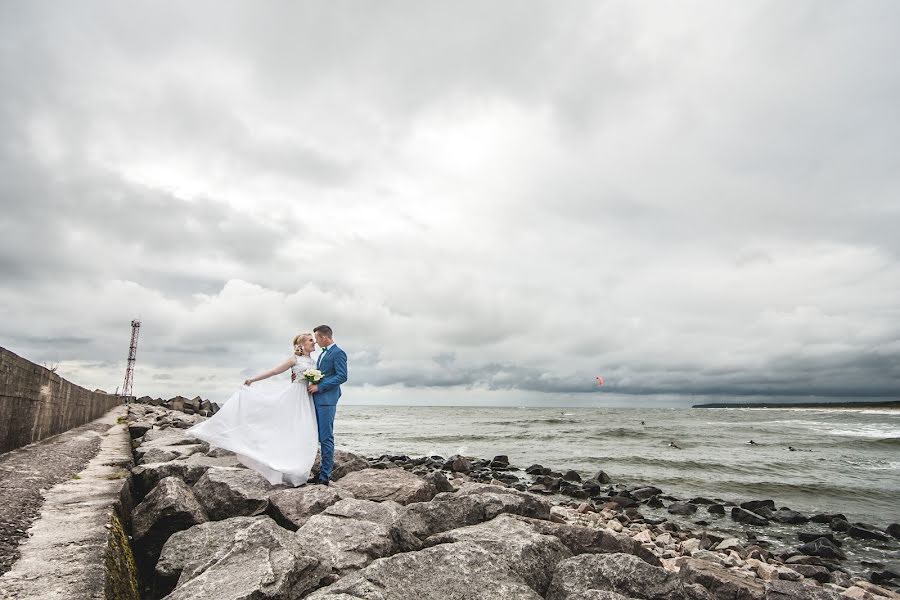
(691, 200)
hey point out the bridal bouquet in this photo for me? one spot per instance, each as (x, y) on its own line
(312, 375)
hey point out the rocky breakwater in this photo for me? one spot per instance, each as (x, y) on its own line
(396, 527)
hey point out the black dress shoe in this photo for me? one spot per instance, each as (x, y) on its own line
(324, 482)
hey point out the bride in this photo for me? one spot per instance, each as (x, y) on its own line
(275, 434)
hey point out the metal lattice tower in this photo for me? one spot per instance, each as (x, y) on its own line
(132, 354)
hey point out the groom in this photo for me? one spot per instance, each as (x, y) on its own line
(333, 364)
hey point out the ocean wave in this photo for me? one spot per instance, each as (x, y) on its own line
(689, 465)
(861, 443)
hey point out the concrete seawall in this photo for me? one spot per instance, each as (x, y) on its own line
(78, 548)
(36, 403)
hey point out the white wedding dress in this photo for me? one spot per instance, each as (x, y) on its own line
(275, 434)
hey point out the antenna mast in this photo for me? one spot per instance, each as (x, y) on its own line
(132, 354)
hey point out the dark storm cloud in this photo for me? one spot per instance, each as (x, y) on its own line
(691, 199)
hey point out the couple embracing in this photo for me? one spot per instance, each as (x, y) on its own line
(278, 434)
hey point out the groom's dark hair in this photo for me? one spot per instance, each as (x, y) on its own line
(324, 330)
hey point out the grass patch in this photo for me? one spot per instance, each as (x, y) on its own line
(76, 476)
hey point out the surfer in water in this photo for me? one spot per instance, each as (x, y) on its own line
(674, 445)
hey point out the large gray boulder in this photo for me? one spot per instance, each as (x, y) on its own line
(344, 463)
(525, 503)
(189, 470)
(597, 595)
(188, 550)
(227, 492)
(158, 454)
(383, 513)
(386, 484)
(799, 590)
(169, 436)
(171, 506)
(720, 581)
(621, 573)
(249, 561)
(532, 555)
(452, 510)
(292, 507)
(461, 571)
(587, 540)
(346, 545)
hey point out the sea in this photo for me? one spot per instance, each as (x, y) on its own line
(844, 460)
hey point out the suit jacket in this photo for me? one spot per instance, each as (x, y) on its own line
(334, 372)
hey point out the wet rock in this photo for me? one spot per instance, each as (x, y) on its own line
(754, 505)
(827, 517)
(742, 515)
(571, 476)
(535, 470)
(682, 508)
(592, 487)
(346, 544)
(461, 571)
(623, 501)
(823, 548)
(720, 581)
(292, 507)
(790, 517)
(893, 530)
(863, 531)
(621, 573)
(644, 493)
(258, 559)
(226, 492)
(601, 477)
(817, 572)
(391, 484)
(805, 536)
(840, 525)
(655, 502)
(715, 509)
(171, 506)
(533, 556)
(500, 461)
(879, 577)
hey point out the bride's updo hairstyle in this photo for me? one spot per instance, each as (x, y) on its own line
(300, 338)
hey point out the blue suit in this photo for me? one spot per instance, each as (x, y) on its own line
(333, 364)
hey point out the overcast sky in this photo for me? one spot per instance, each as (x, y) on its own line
(489, 202)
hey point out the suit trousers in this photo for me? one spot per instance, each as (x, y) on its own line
(325, 418)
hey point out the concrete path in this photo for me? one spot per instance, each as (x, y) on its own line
(65, 553)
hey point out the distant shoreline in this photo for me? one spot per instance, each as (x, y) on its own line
(894, 405)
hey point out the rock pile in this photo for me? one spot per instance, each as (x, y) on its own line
(397, 527)
(196, 405)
